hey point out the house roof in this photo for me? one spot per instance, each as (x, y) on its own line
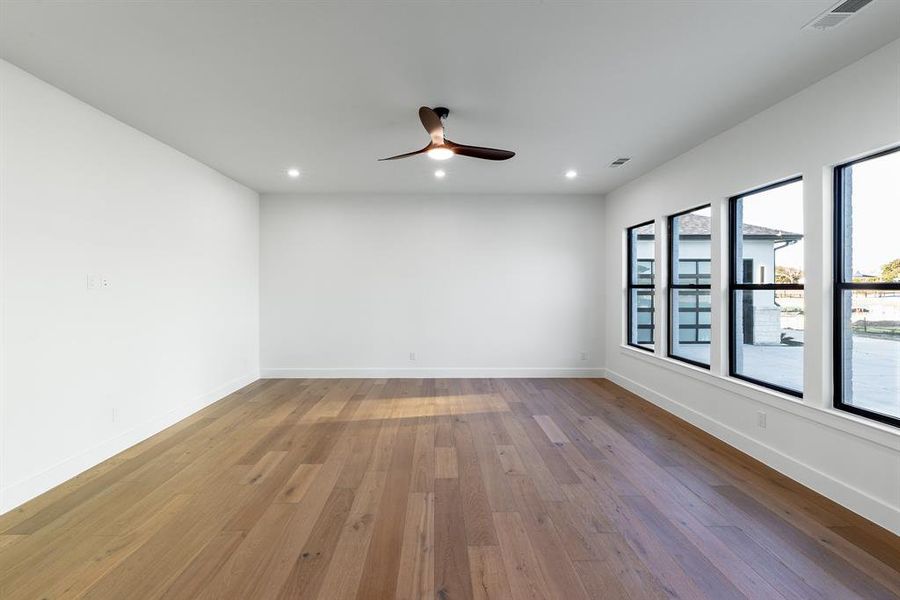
(693, 225)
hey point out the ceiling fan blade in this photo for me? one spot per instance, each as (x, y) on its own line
(479, 152)
(433, 125)
(425, 149)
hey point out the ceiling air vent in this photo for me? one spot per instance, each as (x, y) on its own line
(619, 162)
(837, 15)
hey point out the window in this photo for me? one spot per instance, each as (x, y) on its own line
(689, 286)
(641, 272)
(867, 287)
(766, 287)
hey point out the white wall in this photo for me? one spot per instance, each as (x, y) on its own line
(473, 285)
(85, 373)
(851, 113)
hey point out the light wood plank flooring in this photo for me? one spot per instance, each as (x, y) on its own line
(448, 489)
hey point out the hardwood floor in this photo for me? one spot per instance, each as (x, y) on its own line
(441, 489)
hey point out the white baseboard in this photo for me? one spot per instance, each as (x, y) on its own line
(21, 491)
(850, 497)
(429, 372)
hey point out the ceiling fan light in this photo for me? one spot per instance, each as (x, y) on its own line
(440, 153)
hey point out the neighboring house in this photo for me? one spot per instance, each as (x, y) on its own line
(760, 317)
(859, 277)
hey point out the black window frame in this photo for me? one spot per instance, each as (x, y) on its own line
(734, 286)
(840, 286)
(673, 287)
(631, 285)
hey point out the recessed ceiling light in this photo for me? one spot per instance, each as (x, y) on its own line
(440, 153)
(294, 173)
(439, 173)
(571, 174)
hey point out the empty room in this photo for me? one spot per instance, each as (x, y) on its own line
(451, 300)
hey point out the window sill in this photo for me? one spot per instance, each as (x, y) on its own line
(873, 431)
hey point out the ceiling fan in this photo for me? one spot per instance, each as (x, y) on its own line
(441, 148)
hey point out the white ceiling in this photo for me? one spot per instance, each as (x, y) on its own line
(253, 88)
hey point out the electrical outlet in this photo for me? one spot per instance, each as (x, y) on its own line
(761, 419)
(584, 356)
(104, 282)
(412, 356)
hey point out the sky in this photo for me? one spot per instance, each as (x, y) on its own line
(876, 213)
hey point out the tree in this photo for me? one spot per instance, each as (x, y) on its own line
(787, 275)
(890, 271)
